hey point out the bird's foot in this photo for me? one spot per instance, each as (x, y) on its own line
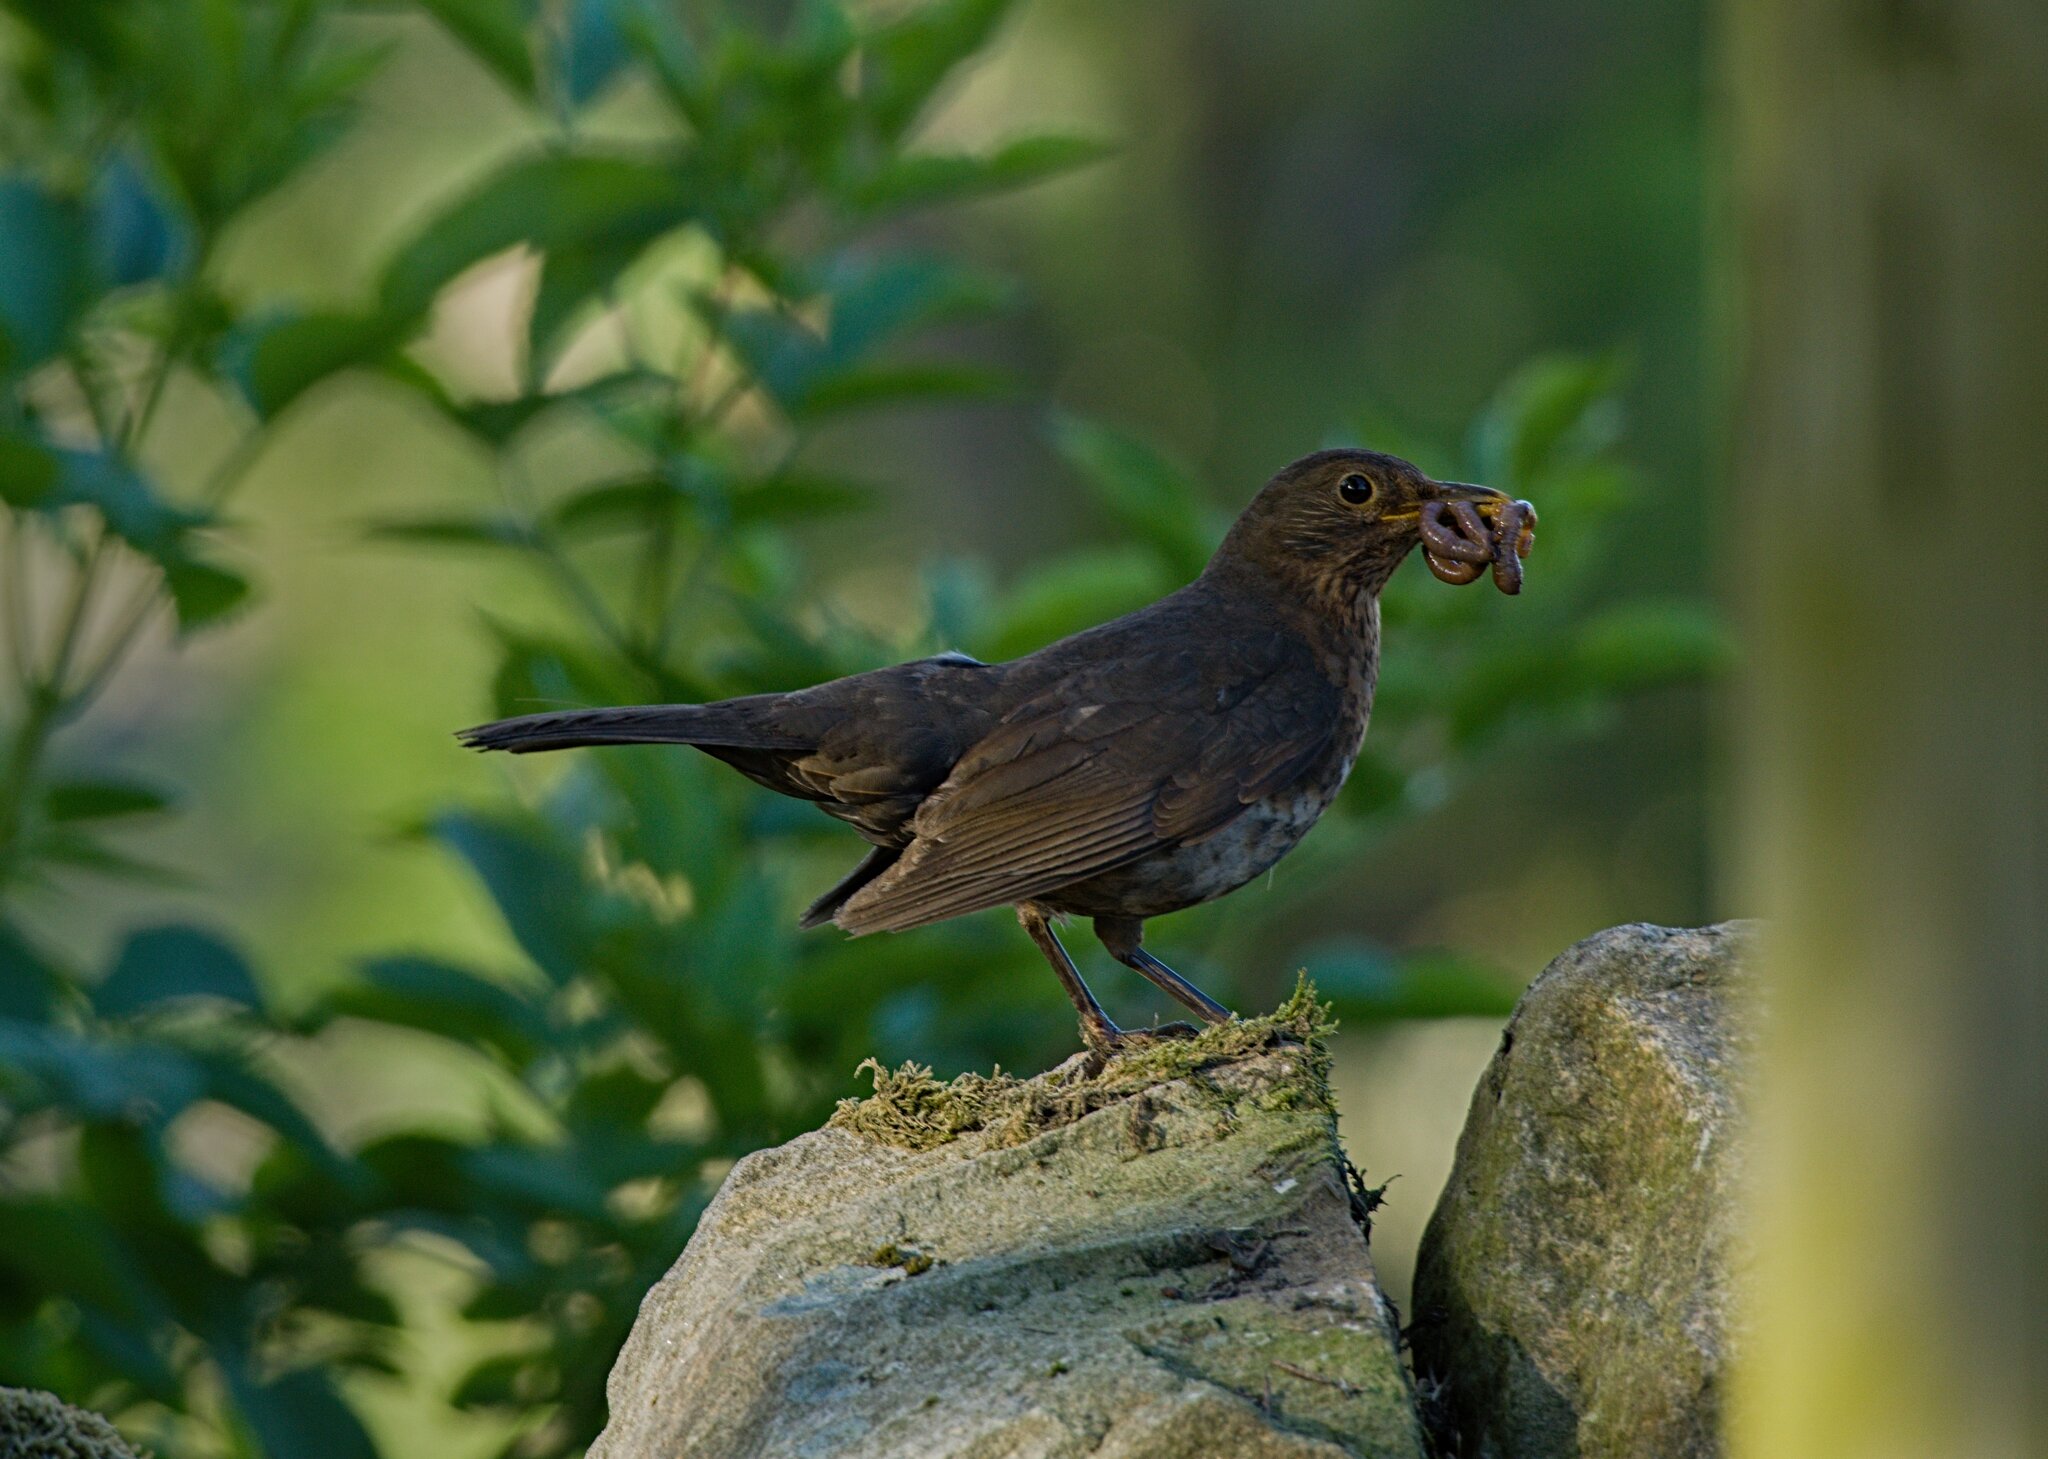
(1106, 1041)
(1160, 1034)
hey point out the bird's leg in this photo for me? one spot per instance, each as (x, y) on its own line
(1097, 1031)
(1123, 936)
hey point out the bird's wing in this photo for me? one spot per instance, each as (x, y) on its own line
(1082, 778)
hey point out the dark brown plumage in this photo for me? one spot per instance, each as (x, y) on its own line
(1134, 769)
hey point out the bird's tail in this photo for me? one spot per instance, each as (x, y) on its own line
(734, 722)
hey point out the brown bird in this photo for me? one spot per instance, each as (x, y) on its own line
(1131, 770)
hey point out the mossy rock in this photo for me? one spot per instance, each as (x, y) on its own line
(1159, 1258)
(37, 1425)
(1573, 1292)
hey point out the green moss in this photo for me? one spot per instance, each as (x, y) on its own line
(913, 1110)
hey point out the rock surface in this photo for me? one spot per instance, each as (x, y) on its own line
(1573, 1291)
(38, 1425)
(1161, 1261)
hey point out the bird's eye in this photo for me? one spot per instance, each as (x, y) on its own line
(1355, 489)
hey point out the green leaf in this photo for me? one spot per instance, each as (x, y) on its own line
(545, 1182)
(1376, 785)
(959, 593)
(1625, 650)
(495, 32)
(448, 1001)
(94, 1080)
(904, 62)
(118, 1167)
(613, 506)
(453, 531)
(507, 1302)
(873, 300)
(614, 397)
(238, 97)
(299, 1414)
(819, 37)
(656, 32)
(925, 179)
(127, 1347)
(798, 495)
(1641, 646)
(1073, 592)
(551, 200)
(56, 1246)
(28, 472)
(419, 1170)
(1552, 408)
(44, 284)
(92, 31)
(782, 653)
(783, 355)
(137, 236)
(94, 800)
(595, 46)
(614, 1098)
(278, 359)
(335, 1285)
(536, 882)
(865, 386)
(202, 593)
(1149, 495)
(574, 279)
(537, 673)
(231, 1079)
(159, 966)
(500, 1382)
(72, 846)
(132, 509)
(30, 984)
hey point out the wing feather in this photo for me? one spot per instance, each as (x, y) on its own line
(1073, 784)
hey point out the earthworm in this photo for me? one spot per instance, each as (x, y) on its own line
(1456, 573)
(1459, 545)
(1455, 541)
(1464, 538)
(1514, 534)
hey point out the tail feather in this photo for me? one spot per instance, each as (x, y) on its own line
(739, 722)
(873, 865)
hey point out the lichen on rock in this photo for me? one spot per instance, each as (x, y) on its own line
(38, 1425)
(1160, 1258)
(1574, 1290)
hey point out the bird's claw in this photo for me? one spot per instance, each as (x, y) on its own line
(1108, 1041)
(1162, 1033)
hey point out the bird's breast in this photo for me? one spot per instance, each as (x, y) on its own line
(1186, 875)
(1252, 842)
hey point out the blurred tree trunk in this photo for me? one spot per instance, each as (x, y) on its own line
(1891, 210)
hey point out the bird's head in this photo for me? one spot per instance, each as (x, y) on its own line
(1336, 524)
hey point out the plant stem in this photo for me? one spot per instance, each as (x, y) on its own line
(50, 697)
(38, 718)
(19, 627)
(76, 610)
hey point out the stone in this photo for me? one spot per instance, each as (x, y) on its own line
(1160, 1259)
(38, 1425)
(1574, 1287)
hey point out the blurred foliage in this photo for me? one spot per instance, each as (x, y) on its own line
(131, 1277)
(705, 300)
